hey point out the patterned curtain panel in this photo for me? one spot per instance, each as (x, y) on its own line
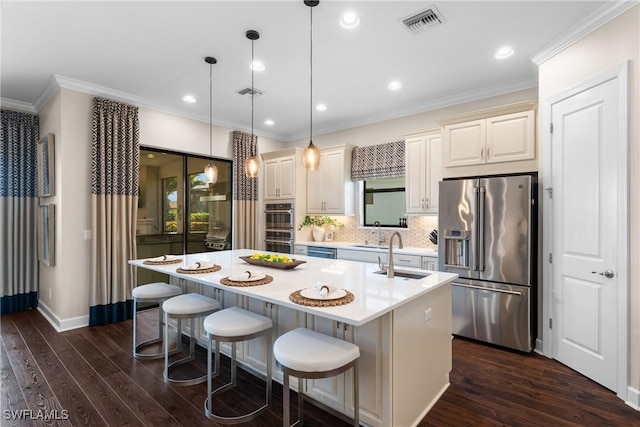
(245, 193)
(377, 161)
(115, 165)
(18, 212)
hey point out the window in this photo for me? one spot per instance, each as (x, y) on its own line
(383, 201)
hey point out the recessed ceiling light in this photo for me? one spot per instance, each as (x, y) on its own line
(503, 52)
(190, 99)
(349, 20)
(394, 85)
(151, 156)
(321, 107)
(257, 66)
(269, 122)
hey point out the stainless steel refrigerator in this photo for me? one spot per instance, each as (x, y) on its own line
(488, 235)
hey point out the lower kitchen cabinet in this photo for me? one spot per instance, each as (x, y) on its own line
(429, 263)
(388, 344)
(405, 260)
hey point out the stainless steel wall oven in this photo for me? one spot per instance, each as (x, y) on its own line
(279, 227)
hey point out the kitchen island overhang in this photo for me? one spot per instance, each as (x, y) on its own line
(403, 327)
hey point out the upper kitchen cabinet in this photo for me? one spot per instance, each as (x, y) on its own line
(504, 138)
(423, 172)
(283, 170)
(330, 190)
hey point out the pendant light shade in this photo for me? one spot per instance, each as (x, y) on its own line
(211, 170)
(311, 156)
(251, 166)
(252, 163)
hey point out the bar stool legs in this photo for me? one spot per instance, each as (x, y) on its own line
(232, 325)
(307, 354)
(186, 306)
(151, 293)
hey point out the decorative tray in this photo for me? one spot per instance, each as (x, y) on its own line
(280, 265)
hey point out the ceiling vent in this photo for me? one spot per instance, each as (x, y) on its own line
(249, 91)
(424, 20)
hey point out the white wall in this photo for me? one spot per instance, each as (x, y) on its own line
(395, 129)
(68, 115)
(605, 48)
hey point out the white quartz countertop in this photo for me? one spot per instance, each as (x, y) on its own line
(374, 294)
(372, 248)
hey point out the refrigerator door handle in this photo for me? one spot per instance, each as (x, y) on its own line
(482, 288)
(474, 237)
(482, 192)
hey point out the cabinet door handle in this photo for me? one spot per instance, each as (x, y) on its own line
(422, 203)
(482, 153)
(427, 202)
(488, 153)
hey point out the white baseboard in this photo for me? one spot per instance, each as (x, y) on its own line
(62, 325)
(633, 398)
(539, 347)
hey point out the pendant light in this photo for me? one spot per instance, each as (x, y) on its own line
(311, 156)
(252, 163)
(211, 170)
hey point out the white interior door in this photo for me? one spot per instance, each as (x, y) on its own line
(586, 178)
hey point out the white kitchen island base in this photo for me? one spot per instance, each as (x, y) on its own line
(403, 329)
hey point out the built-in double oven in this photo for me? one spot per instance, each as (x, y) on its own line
(279, 227)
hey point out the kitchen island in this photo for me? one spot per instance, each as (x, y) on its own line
(402, 326)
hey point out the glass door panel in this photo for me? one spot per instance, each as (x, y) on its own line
(178, 211)
(209, 207)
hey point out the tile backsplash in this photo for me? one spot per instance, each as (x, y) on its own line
(415, 235)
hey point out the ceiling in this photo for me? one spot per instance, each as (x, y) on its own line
(151, 53)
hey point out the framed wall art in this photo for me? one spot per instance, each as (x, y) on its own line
(46, 166)
(47, 234)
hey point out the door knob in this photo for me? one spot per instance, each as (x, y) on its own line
(607, 273)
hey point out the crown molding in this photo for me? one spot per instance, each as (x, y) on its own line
(17, 105)
(448, 101)
(591, 23)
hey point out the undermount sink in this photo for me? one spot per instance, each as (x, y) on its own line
(405, 274)
(371, 246)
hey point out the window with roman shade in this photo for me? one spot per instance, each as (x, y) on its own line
(377, 161)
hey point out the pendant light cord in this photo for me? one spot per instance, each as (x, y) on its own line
(253, 94)
(210, 111)
(311, 75)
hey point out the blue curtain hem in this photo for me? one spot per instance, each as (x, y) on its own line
(21, 302)
(110, 313)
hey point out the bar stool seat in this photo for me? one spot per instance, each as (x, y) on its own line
(185, 306)
(232, 325)
(307, 354)
(151, 293)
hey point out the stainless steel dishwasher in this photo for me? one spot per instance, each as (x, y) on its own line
(322, 252)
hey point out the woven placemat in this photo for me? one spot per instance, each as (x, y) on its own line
(264, 281)
(171, 261)
(205, 270)
(299, 299)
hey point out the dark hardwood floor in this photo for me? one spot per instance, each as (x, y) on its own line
(88, 377)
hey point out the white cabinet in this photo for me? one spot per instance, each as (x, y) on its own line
(330, 190)
(423, 172)
(405, 260)
(429, 263)
(374, 342)
(505, 138)
(279, 178)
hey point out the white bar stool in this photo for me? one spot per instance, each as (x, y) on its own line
(304, 353)
(232, 325)
(151, 293)
(186, 306)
